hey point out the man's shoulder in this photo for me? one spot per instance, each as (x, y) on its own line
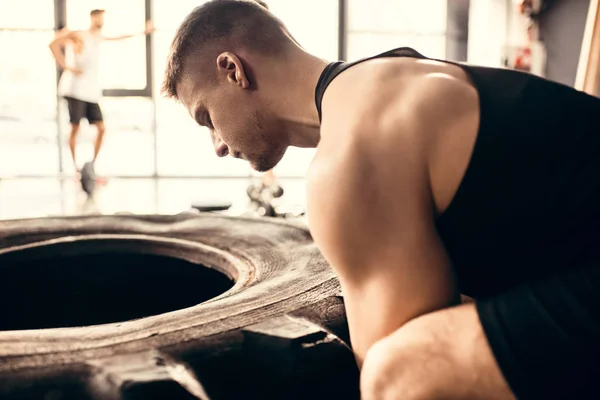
(75, 33)
(385, 95)
(74, 36)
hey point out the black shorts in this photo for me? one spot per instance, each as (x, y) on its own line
(545, 335)
(79, 109)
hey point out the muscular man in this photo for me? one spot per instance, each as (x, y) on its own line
(431, 179)
(80, 83)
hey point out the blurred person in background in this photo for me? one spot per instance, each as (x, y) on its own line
(80, 82)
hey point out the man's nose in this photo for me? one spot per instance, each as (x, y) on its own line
(221, 148)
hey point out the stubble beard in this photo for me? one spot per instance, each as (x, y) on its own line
(272, 152)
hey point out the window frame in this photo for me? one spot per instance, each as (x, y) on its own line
(60, 20)
(149, 91)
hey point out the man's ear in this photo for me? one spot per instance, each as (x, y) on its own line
(230, 66)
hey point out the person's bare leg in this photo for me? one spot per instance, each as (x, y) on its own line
(99, 138)
(441, 355)
(73, 144)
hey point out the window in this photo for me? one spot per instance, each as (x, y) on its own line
(123, 61)
(28, 130)
(184, 148)
(168, 14)
(314, 24)
(128, 148)
(36, 198)
(368, 44)
(423, 16)
(380, 25)
(26, 14)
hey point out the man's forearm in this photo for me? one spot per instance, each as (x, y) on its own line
(149, 29)
(269, 178)
(121, 37)
(58, 56)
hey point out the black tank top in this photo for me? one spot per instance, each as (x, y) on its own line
(529, 202)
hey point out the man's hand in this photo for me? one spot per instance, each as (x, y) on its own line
(74, 70)
(149, 28)
(64, 37)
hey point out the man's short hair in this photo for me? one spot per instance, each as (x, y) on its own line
(223, 25)
(96, 12)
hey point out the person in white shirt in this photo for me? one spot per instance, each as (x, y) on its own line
(80, 84)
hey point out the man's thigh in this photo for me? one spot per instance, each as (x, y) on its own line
(545, 335)
(441, 355)
(537, 341)
(77, 110)
(93, 113)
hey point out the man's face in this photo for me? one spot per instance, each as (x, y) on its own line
(239, 124)
(98, 20)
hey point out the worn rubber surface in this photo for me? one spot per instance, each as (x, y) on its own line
(279, 332)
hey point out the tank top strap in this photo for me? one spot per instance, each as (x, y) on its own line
(333, 69)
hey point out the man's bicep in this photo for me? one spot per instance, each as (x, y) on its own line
(355, 211)
(373, 222)
(334, 210)
(66, 37)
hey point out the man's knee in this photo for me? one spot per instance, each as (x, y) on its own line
(101, 129)
(443, 354)
(74, 129)
(377, 373)
(394, 370)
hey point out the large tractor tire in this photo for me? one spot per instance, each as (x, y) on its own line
(169, 307)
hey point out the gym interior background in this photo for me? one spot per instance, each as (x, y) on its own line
(155, 158)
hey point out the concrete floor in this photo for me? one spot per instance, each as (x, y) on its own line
(32, 198)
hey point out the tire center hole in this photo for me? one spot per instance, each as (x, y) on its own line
(57, 291)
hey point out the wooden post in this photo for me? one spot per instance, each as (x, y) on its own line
(588, 73)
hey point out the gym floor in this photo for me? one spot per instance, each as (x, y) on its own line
(31, 197)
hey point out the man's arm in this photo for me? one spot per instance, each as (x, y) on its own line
(269, 178)
(58, 44)
(149, 29)
(371, 212)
